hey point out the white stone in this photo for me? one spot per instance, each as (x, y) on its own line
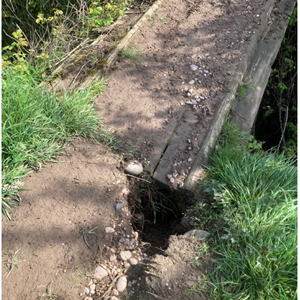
(200, 234)
(93, 287)
(121, 284)
(100, 273)
(133, 261)
(125, 255)
(172, 180)
(109, 230)
(193, 67)
(169, 176)
(192, 81)
(134, 168)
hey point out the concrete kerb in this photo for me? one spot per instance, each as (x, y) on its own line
(215, 128)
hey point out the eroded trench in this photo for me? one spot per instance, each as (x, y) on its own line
(157, 214)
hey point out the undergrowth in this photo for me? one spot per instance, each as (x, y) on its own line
(255, 194)
(37, 124)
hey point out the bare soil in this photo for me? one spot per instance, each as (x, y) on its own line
(59, 226)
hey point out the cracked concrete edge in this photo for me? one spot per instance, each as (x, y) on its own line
(244, 111)
(215, 128)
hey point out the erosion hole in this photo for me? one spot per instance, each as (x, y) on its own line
(156, 215)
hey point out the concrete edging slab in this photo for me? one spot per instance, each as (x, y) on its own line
(220, 115)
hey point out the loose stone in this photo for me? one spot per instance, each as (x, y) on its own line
(206, 54)
(188, 94)
(133, 261)
(169, 176)
(86, 290)
(114, 298)
(100, 273)
(206, 71)
(134, 168)
(193, 67)
(189, 141)
(93, 287)
(119, 206)
(180, 185)
(192, 81)
(189, 160)
(200, 234)
(121, 284)
(109, 230)
(115, 292)
(199, 81)
(172, 180)
(125, 255)
(194, 102)
(174, 175)
(112, 258)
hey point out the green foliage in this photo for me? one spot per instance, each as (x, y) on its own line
(37, 124)
(104, 13)
(241, 92)
(281, 97)
(256, 252)
(132, 55)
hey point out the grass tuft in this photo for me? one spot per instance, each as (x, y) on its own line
(37, 124)
(256, 253)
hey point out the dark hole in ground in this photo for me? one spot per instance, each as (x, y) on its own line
(156, 216)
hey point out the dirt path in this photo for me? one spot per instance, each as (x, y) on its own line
(70, 203)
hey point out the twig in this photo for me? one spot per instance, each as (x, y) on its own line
(106, 294)
(285, 123)
(70, 53)
(73, 80)
(138, 178)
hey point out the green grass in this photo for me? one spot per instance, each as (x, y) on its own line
(256, 254)
(131, 55)
(241, 92)
(37, 124)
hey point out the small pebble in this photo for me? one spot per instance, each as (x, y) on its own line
(206, 54)
(125, 255)
(189, 160)
(93, 287)
(133, 168)
(180, 185)
(133, 261)
(109, 230)
(206, 71)
(172, 180)
(193, 67)
(192, 81)
(169, 176)
(112, 258)
(86, 290)
(188, 94)
(121, 284)
(119, 206)
(100, 273)
(194, 102)
(199, 81)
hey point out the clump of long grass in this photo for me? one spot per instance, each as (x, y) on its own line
(37, 124)
(256, 254)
